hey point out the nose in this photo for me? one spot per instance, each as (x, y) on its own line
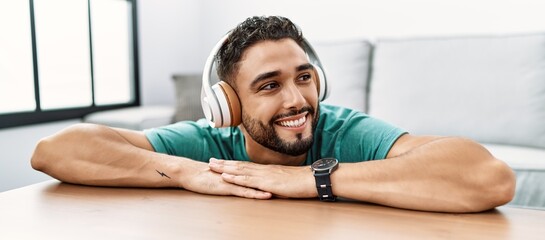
(293, 97)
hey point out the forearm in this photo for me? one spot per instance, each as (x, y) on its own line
(462, 177)
(97, 155)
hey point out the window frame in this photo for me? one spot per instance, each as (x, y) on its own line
(17, 119)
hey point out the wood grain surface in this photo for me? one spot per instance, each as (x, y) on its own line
(54, 210)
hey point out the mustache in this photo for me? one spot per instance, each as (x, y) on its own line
(308, 109)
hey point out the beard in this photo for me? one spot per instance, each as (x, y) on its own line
(266, 135)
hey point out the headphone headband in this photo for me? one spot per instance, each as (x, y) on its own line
(210, 104)
(323, 87)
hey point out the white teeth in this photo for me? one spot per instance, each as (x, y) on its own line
(294, 123)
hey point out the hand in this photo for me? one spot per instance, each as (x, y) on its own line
(282, 181)
(202, 180)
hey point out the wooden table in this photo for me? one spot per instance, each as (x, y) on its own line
(54, 210)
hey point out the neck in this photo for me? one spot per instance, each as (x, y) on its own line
(262, 155)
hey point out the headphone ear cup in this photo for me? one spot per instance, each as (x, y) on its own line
(210, 107)
(321, 84)
(317, 81)
(229, 104)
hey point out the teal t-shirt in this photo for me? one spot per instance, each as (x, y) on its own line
(342, 133)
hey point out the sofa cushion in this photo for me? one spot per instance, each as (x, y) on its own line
(135, 118)
(529, 167)
(519, 158)
(346, 65)
(188, 97)
(488, 88)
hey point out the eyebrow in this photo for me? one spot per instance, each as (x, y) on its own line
(303, 67)
(264, 76)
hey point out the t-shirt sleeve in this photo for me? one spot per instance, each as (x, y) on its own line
(187, 139)
(368, 138)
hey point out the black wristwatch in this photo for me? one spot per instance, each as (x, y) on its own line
(322, 171)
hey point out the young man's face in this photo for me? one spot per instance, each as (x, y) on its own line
(277, 90)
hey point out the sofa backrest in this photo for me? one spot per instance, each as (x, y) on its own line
(346, 64)
(488, 88)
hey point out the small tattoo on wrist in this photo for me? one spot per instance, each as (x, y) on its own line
(162, 174)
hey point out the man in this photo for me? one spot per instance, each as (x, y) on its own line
(284, 129)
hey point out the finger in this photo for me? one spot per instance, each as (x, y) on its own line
(224, 162)
(215, 167)
(241, 180)
(249, 192)
(235, 163)
(215, 160)
(218, 165)
(232, 167)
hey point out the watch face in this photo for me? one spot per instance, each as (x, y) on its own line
(324, 164)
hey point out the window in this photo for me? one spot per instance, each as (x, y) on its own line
(16, 71)
(62, 59)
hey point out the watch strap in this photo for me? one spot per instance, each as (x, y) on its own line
(323, 185)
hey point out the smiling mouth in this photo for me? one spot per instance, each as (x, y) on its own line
(293, 122)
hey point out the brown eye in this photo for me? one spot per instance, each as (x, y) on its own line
(305, 77)
(269, 86)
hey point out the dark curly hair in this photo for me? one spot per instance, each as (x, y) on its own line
(246, 34)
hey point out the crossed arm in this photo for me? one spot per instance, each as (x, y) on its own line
(422, 173)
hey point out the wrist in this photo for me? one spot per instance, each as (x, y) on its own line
(323, 168)
(187, 170)
(309, 182)
(180, 170)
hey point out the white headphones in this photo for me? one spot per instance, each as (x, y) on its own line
(220, 102)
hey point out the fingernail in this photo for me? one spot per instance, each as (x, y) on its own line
(227, 175)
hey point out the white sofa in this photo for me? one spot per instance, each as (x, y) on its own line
(487, 88)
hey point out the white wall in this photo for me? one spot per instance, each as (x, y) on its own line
(176, 37)
(169, 34)
(330, 20)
